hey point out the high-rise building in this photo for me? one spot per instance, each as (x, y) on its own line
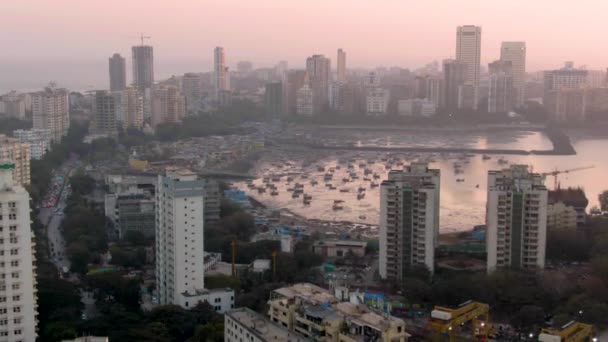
(516, 219)
(220, 72)
(18, 153)
(132, 108)
(304, 101)
(515, 52)
(341, 73)
(274, 99)
(377, 101)
(319, 74)
(38, 139)
(13, 105)
(567, 77)
(501, 92)
(168, 105)
(468, 51)
(180, 274)
(118, 72)
(18, 290)
(295, 81)
(435, 90)
(143, 67)
(192, 89)
(455, 73)
(104, 113)
(409, 220)
(50, 110)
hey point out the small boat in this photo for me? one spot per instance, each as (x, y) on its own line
(295, 195)
(261, 190)
(344, 190)
(329, 185)
(320, 169)
(361, 189)
(362, 217)
(460, 180)
(313, 182)
(338, 201)
(274, 193)
(486, 157)
(337, 207)
(290, 179)
(346, 180)
(306, 202)
(373, 185)
(360, 195)
(332, 188)
(367, 179)
(276, 178)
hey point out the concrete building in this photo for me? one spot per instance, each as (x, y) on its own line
(179, 243)
(39, 141)
(13, 105)
(212, 202)
(515, 52)
(244, 324)
(516, 217)
(455, 73)
(18, 153)
(50, 110)
(341, 71)
(304, 101)
(143, 67)
(416, 107)
(468, 51)
(377, 101)
(409, 220)
(574, 198)
(18, 291)
(319, 74)
(566, 105)
(560, 217)
(192, 89)
(244, 67)
(435, 88)
(296, 79)
(339, 248)
(132, 108)
(118, 72)
(168, 105)
(565, 78)
(273, 100)
(104, 114)
(501, 93)
(221, 80)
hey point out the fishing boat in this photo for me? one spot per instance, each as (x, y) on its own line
(337, 207)
(344, 190)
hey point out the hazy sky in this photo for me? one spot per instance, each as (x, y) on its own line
(70, 40)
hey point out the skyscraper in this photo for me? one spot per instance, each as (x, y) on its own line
(168, 105)
(455, 73)
(319, 72)
(18, 289)
(341, 73)
(295, 81)
(409, 220)
(220, 72)
(304, 101)
(133, 108)
(143, 67)
(468, 51)
(50, 110)
(192, 90)
(501, 92)
(516, 219)
(273, 99)
(104, 113)
(118, 72)
(515, 52)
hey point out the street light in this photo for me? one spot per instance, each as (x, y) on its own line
(531, 335)
(594, 339)
(483, 324)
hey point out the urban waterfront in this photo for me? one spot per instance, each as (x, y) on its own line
(463, 177)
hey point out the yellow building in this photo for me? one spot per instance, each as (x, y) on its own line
(561, 216)
(18, 153)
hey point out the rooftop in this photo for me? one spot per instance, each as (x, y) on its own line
(261, 327)
(337, 243)
(571, 196)
(309, 292)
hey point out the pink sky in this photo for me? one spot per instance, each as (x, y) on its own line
(373, 32)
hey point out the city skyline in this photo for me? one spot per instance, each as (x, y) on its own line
(180, 49)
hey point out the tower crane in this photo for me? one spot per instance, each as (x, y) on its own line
(142, 37)
(557, 172)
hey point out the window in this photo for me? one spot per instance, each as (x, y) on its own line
(15, 275)
(16, 286)
(14, 263)
(12, 216)
(12, 228)
(13, 240)
(2, 310)
(3, 333)
(18, 332)
(2, 299)
(17, 309)
(16, 298)
(12, 204)
(217, 300)
(4, 322)
(17, 320)
(14, 251)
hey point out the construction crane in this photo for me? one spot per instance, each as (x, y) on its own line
(142, 37)
(447, 320)
(571, 332)
(557, 172)
(233, 252)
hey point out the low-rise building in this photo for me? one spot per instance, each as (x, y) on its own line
(19, 153)
(260, 265)
(416, 107)
(130, 204)
(38, 139)
(339, 248)
(244, 324)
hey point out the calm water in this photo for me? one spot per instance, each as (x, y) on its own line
(462, 202)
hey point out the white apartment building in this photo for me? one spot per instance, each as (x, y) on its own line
(50, 110)
(244, 324)
(304, 101)
(468, 51)
(516, 219)
(38, 139)
(18, 307)
(409, 219)
(180, 269)
(377, 101)
(416, 107)
(221, 80)
(19, 154)
(515, 52)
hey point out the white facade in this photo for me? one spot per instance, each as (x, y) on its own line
(468, 51)
(38, 139)
(515, 52)
(50, 110)
(18, 292)
(11, 149)
(416, 107)
(304, 101)
(516, 219)
(220, 71)
(377, 101)
(409, 220)
(221, 300)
